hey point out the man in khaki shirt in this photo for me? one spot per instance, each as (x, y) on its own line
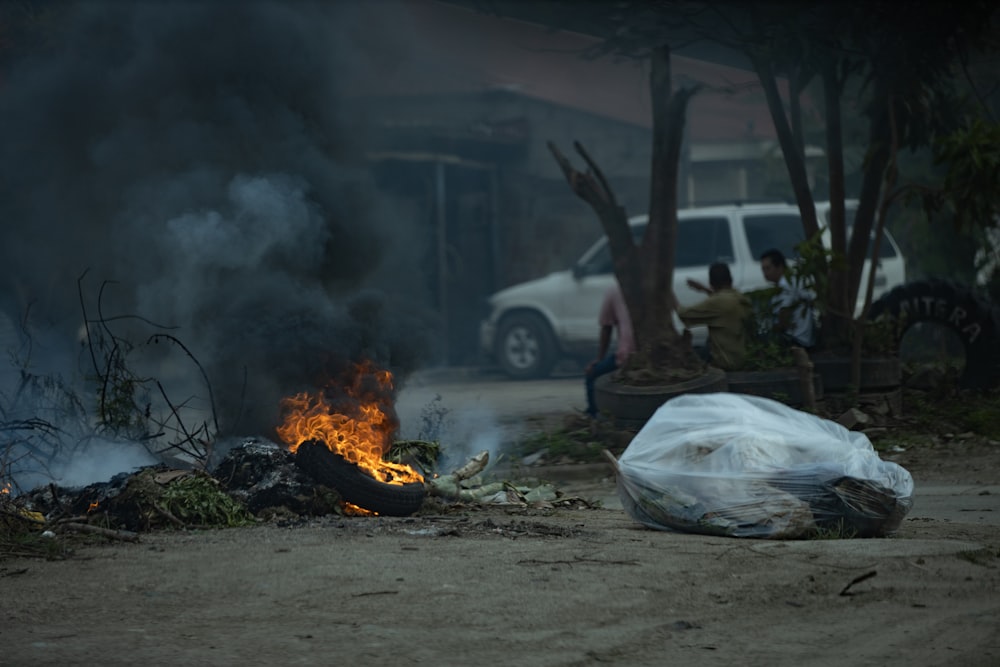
(724, 312)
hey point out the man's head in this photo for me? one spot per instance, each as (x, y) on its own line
(719, 276)
(772, 265)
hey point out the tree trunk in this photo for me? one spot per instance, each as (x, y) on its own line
(659, 345)
(646, 273)
(832, 91)
(657, 251)
(888, 196)
(868, 199)
(794, 160)
(798, 80)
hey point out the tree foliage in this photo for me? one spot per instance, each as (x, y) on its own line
(894, 66)
(970, 191)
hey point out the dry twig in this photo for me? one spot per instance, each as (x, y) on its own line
(123, 535)
(857, 580)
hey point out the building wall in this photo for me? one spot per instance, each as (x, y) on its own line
(541, 225)
(493, 149)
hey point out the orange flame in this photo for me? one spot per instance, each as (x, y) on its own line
(363, 436)
(6, 488)
(93, 506)
(350, 509)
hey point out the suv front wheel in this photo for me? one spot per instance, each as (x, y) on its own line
(525, 347)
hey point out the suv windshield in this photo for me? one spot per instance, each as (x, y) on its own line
(700, 242)
(784, 231)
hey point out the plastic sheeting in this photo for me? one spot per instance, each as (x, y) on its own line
(746, 466)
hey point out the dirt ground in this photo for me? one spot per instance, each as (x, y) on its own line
(530, 587)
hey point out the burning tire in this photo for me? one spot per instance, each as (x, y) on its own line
(354, 485)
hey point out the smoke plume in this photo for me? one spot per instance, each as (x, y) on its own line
(191, 176)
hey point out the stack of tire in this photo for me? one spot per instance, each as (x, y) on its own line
(965, 311)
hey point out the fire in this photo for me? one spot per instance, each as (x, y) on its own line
(6, 488)
(350, 509)
(359, 427)
(93, 506)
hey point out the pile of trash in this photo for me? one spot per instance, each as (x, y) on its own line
(254, 480)
(745, 466)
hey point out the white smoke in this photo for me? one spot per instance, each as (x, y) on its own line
(98, 462)
(462, 427)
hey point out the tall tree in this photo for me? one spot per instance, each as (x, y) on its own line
(645, 271)
(642, 31)
(902, 62)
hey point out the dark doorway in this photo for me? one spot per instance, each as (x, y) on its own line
(455, 203)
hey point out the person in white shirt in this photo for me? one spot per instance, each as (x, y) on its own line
(792, 307)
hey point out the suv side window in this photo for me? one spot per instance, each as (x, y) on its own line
(775, 230)
(601, 263)
(702, 241)
(885, 250)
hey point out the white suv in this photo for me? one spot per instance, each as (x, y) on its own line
(535, 324)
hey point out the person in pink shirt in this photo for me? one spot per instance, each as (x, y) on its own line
(613, 316)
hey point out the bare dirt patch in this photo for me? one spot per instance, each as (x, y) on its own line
(580, 584)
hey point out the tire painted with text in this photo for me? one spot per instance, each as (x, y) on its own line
(962, 310)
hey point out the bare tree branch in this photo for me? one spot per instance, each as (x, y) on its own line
(201, 369)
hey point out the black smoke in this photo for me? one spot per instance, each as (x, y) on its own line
(200, 164)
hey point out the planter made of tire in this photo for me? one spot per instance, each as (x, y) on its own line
(966, 312)
(632, 405)
(354, 485)
(780, 384)
(877, 373)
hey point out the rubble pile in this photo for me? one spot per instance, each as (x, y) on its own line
(256, 480)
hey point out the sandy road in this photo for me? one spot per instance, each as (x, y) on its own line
(503, 587)
(527, 587)
(487, 394)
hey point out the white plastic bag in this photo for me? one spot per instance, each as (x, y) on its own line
(746, 466)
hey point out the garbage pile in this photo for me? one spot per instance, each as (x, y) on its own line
(256, 480)
(745, 466)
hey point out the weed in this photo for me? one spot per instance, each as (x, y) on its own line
(21, 534)
(984, 417)
(890, 443)
(880, 337)
(837, 530)
(198, 499)
(764, 351)
(975, 411)
(435, 420)
(581, 440)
